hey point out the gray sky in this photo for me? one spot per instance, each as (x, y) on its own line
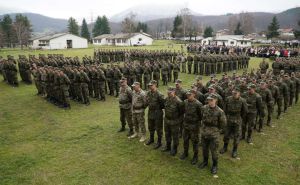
(84, 8)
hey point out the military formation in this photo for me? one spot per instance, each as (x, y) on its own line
(234, 106)
(9, 71)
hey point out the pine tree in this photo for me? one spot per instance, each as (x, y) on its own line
(8, 31)
(142, 26)
(73, 27)
(273, 28)
(97, 27)
(208, 32)
(105, 28)
(84, 30)
(238, 30)
(177, 26)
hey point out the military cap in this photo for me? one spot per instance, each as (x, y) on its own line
(236, 89)
(262, 83)
(152, 82)
(178, 81)
(251, 86)
(212, 96)
(170, 89)
(190, 91)
(135, 83)
(123, 79)
(212, 86)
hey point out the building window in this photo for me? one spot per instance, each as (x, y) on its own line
(231, 42)
(140, 39)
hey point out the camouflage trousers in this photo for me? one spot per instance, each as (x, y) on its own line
(126, 116)
(286, 103)
(138, 121)
(193, 135)
(232, 128)
(156, 124)
(279, 106)
(175, 75)
(210, 143)
(248, 124)
(171, 128)
(84, 93)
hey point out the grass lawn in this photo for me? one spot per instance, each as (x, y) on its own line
(43, 144)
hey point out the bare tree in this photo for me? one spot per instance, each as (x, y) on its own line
(186, 21)
(232, 23)
(128, 24)
(246, 20)
(23, 30)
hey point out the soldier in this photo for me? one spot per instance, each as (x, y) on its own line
(275, 95)
(254, 102)
(156, 73)
(183, 64)
(84, 90)
(283, 95)
(191, 125)
(235, 109)
(263, 66)
(176, 70)
(164, 72)
(181, 94)
(155, 103)
(125, 100)
(173, 111)
(117, 75)
(266, 96)
(147, 75)
(64, 82)
(138, 111)
(189, 63)
(101, 83)
(213, 120)
(297, 86)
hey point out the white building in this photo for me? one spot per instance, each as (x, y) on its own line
(58, 41)
(124, 39)
(232, 40)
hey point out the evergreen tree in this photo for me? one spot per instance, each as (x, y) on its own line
(142, 26)
(97, 27)
(238, 30)
(177, 26)
(73, 27)
(273, 28)
(105, 28)
(208, 32)
(8, 31)
(84, 30)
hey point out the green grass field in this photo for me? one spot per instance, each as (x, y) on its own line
(43, 144)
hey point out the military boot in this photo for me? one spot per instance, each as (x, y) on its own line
(173, 151)
(122, 129)
(224, 149)
(195, 158)
(167, 148)
(214, 167)
(234, 151)
(204, 163)
(158, 144)
(151, 139)
(184, 155)
(130, 132)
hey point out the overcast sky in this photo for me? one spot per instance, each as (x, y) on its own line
(84, 8)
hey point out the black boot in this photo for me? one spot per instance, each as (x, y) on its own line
(173, 151)
(184, 155)
(224, 149)
(158, 144)
(234, 151)
(214, 167)
(195, 158)
(130, 132)
(151, 140)
(122, 129)
(167, 148)
(204, 163)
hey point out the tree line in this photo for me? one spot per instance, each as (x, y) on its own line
(15, 32)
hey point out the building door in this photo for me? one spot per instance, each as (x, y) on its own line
(69, 44)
